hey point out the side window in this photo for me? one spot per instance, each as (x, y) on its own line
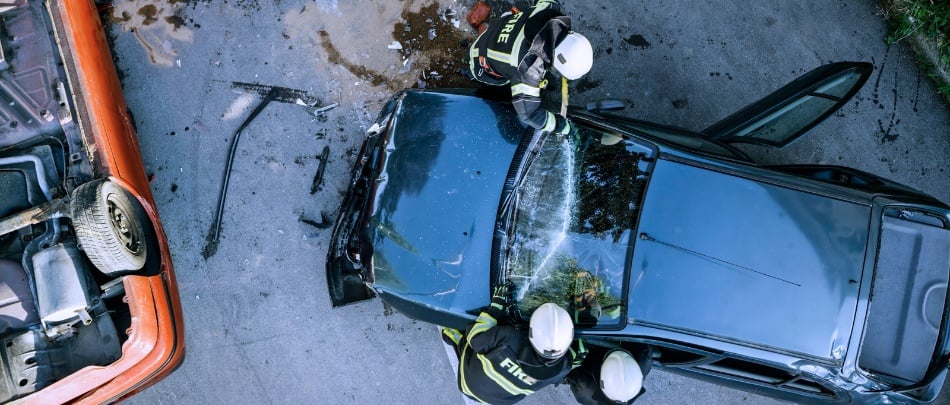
(833, 174)
(735, 369)
(669, 357)
(760, 374)
(747, 370)
(683, 139)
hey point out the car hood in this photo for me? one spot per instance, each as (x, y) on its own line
(743, 260)
(444, 165)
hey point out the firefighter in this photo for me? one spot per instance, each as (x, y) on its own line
(612, 378)
(520, 48)
(500, 364)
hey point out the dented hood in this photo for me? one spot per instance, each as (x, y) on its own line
(434, 210)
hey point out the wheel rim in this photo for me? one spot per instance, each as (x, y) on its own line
(127, 230)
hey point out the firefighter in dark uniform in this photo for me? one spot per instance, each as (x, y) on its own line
(520, 48)
(611, 377)
(500, 364)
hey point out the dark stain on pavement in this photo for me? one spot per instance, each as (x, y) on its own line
(375, 78)
(586, 83)
(717, 74)
(429, 40)
(282, 94)
(637, 41)
(888, 129)
(680, 103)
(211, 245)
(149, 12)
(175, 21)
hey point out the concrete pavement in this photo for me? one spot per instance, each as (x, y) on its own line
(260, 328)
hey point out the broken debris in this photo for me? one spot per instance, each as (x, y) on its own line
(318, 178)
(323, 224)
(321, 110)
(214, 233)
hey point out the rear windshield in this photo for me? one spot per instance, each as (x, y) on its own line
(908, 297)
(576, 211)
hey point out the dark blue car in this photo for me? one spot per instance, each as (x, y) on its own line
(808, 283)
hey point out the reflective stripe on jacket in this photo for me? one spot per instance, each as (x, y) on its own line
(520, 48)
(497, 364)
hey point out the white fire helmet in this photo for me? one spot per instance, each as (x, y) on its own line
(620, 376)
(551, 331)
(574, 56)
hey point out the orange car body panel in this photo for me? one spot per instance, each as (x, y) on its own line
(156, 337)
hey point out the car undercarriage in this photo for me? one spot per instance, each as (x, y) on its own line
(64, 236)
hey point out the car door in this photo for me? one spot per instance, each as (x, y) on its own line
(786, 114)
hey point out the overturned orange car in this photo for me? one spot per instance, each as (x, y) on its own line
(89, 307)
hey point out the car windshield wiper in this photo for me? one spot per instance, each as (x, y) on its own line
(528, 150)
(517, 173)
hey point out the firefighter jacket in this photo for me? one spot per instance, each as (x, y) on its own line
(497, 364)
(585, 380)
(518, 50)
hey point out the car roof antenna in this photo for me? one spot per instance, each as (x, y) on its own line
(646, 237)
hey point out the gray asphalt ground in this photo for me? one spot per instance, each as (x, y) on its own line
(259, 324)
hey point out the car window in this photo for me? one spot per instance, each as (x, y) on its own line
(681, 138)
(787, 113)
(731, 368)
(576, 209)
(802, 112)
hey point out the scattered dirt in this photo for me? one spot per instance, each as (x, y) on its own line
(375, 78)
(440, 49)
(158, 28)
(281, 94)
(432, 48)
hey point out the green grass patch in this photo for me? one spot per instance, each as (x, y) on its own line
(928, 18)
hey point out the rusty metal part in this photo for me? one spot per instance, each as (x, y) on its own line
(215, 232)
(58, 208)
(281, 94)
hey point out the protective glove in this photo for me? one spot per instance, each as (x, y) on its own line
(562, 126)
(565, 128)
(499, 299)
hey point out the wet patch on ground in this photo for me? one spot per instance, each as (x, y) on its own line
(637, 41)
(888, 124)
(430, 40)
(335, 57)
(431, 43)
(157, 27)
(586, 83)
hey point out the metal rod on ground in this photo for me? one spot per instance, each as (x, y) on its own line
(223, 195)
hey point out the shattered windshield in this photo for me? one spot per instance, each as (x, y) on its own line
(576, 211)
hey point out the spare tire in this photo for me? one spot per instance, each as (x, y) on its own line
(109, 226)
